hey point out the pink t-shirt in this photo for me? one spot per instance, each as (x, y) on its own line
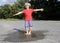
(28, 14)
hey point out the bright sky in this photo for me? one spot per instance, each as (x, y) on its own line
(2, 2)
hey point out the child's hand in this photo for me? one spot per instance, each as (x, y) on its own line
(42, 9)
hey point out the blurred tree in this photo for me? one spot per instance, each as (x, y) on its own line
(5, 11)
(51, 9)
(8, 10)
(19, 6)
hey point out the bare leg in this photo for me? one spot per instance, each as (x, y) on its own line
(27, 30)
(30, 29)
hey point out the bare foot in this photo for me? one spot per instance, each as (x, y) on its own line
(26, 33)
(29, 33)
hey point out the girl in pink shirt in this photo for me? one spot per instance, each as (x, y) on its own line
(28, 17)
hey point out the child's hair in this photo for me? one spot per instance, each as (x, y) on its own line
(27, 4)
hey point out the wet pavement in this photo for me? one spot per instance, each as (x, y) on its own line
(42, 32)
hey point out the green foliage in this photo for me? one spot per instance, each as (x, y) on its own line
(8, 10)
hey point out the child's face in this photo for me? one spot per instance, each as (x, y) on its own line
(27, 6)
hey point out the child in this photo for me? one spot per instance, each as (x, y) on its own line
(28, 17)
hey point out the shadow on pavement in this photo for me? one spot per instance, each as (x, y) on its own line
(19, 36)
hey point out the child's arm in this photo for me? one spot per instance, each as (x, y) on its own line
(39, 9)
(18, 13)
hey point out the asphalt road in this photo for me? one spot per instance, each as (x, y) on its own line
(42, 32)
